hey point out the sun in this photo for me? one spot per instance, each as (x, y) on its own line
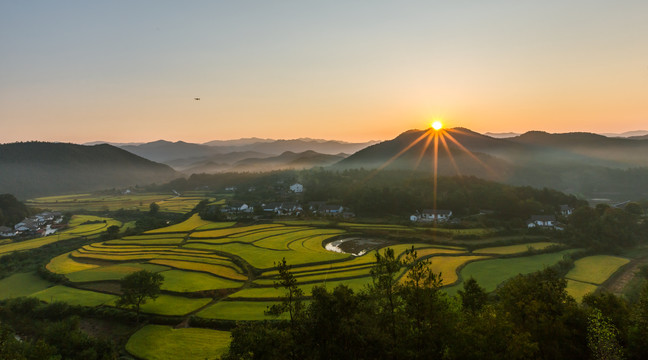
(437, 125)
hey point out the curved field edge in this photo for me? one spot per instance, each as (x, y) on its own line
(491, 273)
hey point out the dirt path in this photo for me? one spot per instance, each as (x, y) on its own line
(617, 283)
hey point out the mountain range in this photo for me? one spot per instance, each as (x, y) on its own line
(225, 155)
(588, 164)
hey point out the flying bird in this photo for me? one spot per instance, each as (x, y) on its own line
(196, 98)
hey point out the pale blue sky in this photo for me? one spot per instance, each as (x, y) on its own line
(352, 70)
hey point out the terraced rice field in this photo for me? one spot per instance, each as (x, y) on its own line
(77, 228)
(111, 272)
(590, 272)
(158, 342)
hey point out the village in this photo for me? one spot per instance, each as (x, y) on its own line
(43, 224)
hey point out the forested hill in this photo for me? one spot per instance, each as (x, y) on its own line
(40, 168)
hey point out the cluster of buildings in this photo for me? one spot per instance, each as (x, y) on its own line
(42, 224)
(541, 221)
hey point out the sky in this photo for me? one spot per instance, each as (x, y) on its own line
(128, 71)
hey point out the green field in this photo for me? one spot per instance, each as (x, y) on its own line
(22, 284)
(158, 342)
(490, 273)
(174, 305)
(596, 269)
(74, 296)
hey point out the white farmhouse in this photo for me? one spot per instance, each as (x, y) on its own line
(428, 215)
(297, 188)
(542, 221)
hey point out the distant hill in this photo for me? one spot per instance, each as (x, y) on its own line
(39, 168)
(502, 135)
(643, 137)
(237, 142)
(589, 148)
(627, 134)
(165, 151)
(287, 160)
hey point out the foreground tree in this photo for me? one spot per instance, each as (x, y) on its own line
(137, 288)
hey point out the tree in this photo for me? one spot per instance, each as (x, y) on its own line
(473, 297)
(112, 232)
(290, 303)
(154, 208)
(385, 286)
(602, 338)
(137, 288)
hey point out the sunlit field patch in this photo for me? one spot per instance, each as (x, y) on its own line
(159, 342)
(188, 225)
(595, 269)
(447, 266)
(515, 249)
(578, 289)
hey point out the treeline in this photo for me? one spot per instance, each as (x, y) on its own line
(386, 193)
(607, 229)
(31, 330)
(13, 211)
(529, 317)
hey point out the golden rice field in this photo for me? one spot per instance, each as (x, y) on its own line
(133, 201)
